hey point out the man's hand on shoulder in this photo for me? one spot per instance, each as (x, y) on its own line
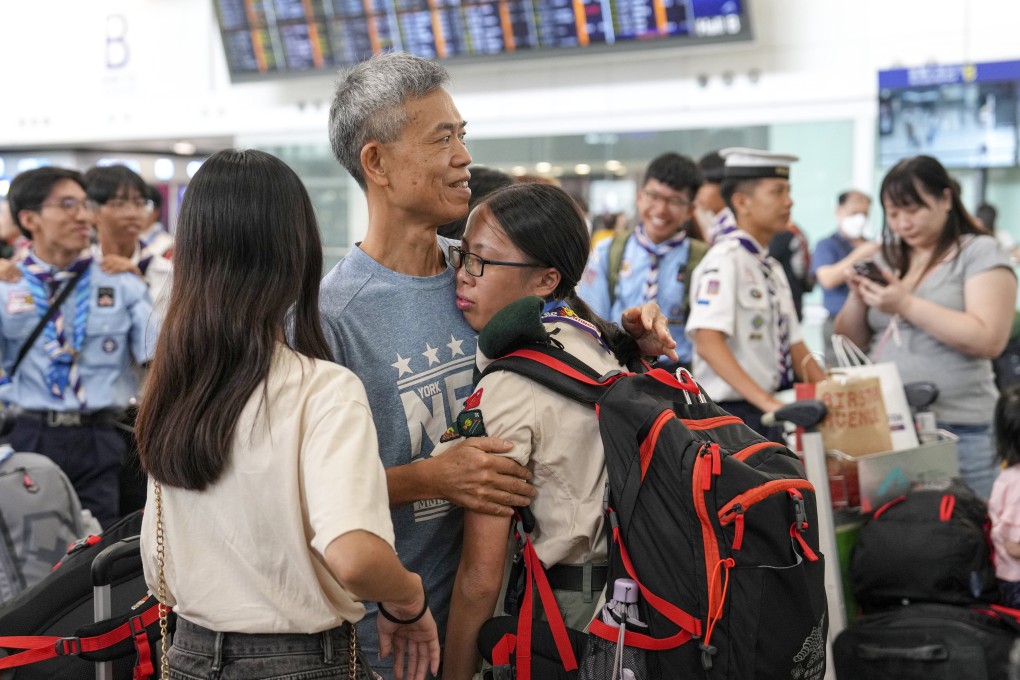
(9, 271)
(118, 264)
(470, 476)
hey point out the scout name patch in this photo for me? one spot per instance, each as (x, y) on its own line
(19, 302)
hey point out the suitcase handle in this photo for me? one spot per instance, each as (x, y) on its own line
(102, 565)
(922, 653)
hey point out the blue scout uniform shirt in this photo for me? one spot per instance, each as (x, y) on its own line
(829, 251)
(116, 331)
(630, 290)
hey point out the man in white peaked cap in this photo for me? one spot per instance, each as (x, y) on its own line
(743, 323)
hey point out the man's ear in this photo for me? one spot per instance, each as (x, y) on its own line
(547, 281)
(373, 164)
(740, 201)
(29, 219)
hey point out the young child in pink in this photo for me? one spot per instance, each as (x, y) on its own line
(1004, 505)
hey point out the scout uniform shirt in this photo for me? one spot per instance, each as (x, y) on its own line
(745, 295)
(672, 289)
(118, 328)
(554, 436)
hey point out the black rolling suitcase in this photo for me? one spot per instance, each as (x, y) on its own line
(926, 642)
(92, 617)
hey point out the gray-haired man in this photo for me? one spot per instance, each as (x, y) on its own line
(388, 313)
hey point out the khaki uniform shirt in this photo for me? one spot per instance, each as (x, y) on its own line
(730, 294)
(558, 439)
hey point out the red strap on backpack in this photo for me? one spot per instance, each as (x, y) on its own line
(689, 626)
(946, 507)
(503, 649)
(42, 647)
(536, 574)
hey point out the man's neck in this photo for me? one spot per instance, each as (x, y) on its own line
(403, 247)
(55, 255)
(762, 236)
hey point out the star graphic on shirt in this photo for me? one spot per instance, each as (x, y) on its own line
(403, 365)
(454, 346)
(430, 354)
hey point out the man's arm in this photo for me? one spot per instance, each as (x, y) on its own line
(466, 475)
(804, 364)
(711, 346)
(835, 274)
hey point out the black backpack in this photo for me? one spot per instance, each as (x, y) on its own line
(930, 545)
(717, 526)
(928, 642)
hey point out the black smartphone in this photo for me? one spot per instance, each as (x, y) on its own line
(869, 270)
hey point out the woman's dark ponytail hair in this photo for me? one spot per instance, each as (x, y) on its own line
(545, 224)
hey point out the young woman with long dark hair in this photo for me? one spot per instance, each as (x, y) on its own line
(267, 515)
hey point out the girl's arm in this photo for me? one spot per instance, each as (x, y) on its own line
(475, 591)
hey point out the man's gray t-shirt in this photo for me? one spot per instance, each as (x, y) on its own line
(403, 336)
(966, 383)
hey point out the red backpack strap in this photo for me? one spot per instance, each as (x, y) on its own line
(689, 626)
(536, 575)
(42, 647)
(503, 649)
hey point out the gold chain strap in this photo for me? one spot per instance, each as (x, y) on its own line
(352, 664)
(164, 666)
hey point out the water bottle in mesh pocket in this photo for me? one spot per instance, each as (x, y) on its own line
(607, 660)
(600, 655)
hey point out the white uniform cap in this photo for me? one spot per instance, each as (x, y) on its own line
(743, 163)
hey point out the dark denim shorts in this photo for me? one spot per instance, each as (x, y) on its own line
(202, 654)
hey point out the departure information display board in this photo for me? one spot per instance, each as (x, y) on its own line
(277, 37)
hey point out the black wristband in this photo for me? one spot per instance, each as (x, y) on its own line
(406, 622)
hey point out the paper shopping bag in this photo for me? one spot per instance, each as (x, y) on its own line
(854, 363)
(857, 423)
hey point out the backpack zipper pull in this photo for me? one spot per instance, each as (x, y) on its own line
(738, 527)
(29, 483)
(713, 466)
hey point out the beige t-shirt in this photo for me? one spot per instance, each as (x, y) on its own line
(246, 554)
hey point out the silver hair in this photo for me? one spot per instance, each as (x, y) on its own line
(369, 99)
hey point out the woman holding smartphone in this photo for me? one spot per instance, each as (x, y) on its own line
(943, 309)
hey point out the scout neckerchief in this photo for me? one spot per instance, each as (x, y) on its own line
(144, 258)
(784, 360)
(560, 312)
(723, 225)
(62, 346)
(656, 251)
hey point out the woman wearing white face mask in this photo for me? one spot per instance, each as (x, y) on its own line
(834, 255)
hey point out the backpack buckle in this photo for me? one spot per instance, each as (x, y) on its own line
(519, 532)
(67, 646)
(799, 512)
